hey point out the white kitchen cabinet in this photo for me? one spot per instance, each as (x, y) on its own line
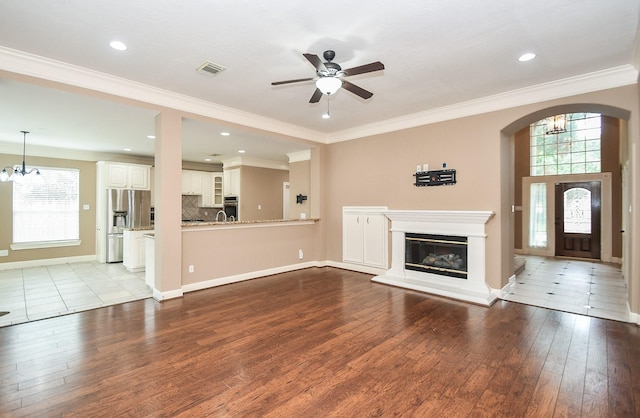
(232, 182)
(124, 176)
(365, 233)
(192, 182)
(134, 250)
(207, 190)
(212, 190)
(217, 189)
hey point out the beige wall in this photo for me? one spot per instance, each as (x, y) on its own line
(87, 217)
(261, 187)
(300, 183)
(219, 253)
(378, 170)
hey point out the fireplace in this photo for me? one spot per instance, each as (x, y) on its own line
(439, 252)
(445, 255)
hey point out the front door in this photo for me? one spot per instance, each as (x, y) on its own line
(577, 219)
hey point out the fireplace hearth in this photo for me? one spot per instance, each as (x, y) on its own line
(440, 252)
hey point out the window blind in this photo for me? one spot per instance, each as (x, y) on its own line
(47, 207)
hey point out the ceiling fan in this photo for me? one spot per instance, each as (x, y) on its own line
(330, 76)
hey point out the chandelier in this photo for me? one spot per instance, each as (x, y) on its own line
(556, 124)
(18, 172)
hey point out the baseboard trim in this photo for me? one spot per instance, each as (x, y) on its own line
(247, 276)
(634, 318)
(171, 294)
(355, 267)
(507, 288)
(46, 262)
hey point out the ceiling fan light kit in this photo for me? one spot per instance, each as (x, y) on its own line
(330, 76)
(328, 85)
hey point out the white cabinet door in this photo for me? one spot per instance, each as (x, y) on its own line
(207, 189)
(138, 177)
(232, 182)
(117, 176)
(217, 189)
(374, 238)
(353, 244)
(192, 182)
(134, 252)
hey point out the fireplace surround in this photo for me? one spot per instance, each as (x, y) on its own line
(463, 233)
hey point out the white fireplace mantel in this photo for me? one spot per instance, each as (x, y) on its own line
(470, 224)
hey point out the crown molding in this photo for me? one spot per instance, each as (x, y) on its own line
(20, 62)
(599, 80)
(47, 69)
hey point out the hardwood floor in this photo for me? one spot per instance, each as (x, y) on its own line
(319, 342)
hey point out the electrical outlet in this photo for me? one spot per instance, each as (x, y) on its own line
(4, 253)
(191, 269)
(300, 254)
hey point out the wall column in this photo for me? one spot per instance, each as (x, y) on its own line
(168, 206)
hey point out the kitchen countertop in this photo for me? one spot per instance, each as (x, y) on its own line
(213, 223)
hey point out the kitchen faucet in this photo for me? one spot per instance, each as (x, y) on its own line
(224, 219)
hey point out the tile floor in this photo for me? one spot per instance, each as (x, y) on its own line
(33, 293)
(583, 287)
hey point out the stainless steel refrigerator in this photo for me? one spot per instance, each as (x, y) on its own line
(126, 209)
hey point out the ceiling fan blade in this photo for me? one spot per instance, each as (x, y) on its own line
(277, 83)
(316, 96)
(315, 61)
(359, 91)
(367, 68)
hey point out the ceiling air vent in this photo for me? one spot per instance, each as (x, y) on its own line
(209, 68)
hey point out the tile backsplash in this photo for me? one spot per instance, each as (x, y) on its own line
(191, 209)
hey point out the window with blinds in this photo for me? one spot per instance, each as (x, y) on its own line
(46, 208)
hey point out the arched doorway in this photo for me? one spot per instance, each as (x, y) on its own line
(604, 187)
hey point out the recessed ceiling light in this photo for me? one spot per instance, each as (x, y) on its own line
(241, 151)
(225, 133)
(527, 57)
(151, 136)
(118, 45)
(127, 149)
(207, 159)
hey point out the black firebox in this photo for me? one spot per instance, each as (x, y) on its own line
(445, 255)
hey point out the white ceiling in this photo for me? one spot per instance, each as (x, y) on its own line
(437, 54)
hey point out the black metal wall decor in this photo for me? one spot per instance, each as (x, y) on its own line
(300, 198)
(445, 177)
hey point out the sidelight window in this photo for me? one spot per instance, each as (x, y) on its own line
(538, 216)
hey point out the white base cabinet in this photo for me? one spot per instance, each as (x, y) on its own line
(365, 236)
(133, 251)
